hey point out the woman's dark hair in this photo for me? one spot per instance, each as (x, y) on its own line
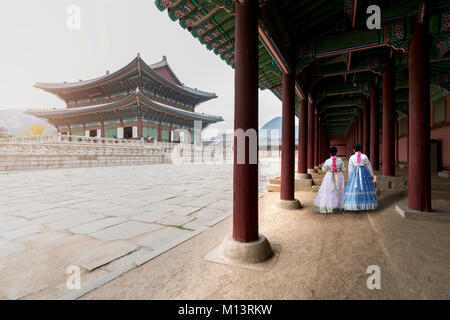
(357, 147)
(333, 151)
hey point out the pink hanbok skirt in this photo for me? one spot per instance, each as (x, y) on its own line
(330, 198)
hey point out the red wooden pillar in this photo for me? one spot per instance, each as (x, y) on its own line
(288, 137)
(419, 184)
(352, 129)
(170, 132)
(366, 129)
(407, 139)
(397, 133)
(323, 142)
(311, 116)
(374, 127)
(387, 144)
(140, 128)
(360, 129)
(159, 132)
(103, 129)
(303, 135)
(319, 158)
(352, 140)
(316, 139)
(245, 176)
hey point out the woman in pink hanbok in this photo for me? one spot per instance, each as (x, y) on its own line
(330, 198)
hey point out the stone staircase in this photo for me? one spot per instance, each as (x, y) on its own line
(382, 184)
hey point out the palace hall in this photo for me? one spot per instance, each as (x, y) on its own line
(137, 101)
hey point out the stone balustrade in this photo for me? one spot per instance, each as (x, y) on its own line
(64, 151)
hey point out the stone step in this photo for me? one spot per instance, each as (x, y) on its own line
(273, 187)
(317, 182)
(440, 186)
(444, 174)
(315, 188)
(275, 181)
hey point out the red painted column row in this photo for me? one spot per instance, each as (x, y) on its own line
(419, 185)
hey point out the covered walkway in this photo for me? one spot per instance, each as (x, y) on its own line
(351, 72)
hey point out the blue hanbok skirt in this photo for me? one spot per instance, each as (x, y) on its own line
(360, 193)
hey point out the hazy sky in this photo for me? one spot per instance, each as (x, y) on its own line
(37, 46)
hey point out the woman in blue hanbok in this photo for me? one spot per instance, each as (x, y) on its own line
(360, 193)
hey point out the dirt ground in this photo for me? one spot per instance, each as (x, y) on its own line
(321, 257)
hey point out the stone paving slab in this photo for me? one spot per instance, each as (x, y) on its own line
(5, 218)
(91, 227)
(42, 238)
(175, 220)
(21, 232)
(163, 237)
(125, 230)
(211, 216)
(7, 248)
(78, 220)
(104, 254)
(54, 215)
(150, 216)
(184, 211)
(222, 204)
(134, 259)
(14, 224)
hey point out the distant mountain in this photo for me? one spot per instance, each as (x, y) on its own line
(272, 129)
(15, 121)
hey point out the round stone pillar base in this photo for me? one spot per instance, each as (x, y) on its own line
(247, 252)
(303, 176)
(288, 204)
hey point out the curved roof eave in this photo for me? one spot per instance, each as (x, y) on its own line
(126, 102)
(54, 87)
(179, 112)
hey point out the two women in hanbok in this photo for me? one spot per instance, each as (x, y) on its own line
(358, 195)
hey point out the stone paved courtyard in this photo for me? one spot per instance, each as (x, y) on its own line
(104, 220)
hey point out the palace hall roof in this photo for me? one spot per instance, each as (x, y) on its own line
(125, 108)
(157, 77)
